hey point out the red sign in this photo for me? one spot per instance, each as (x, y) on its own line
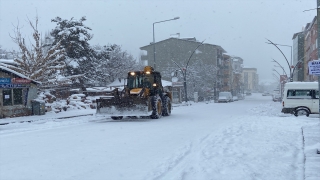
(283, 78)
(20, 81)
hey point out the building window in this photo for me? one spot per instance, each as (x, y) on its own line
(7, 97)
(12, 97)
(17, 96)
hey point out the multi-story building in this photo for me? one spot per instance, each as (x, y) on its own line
(226, 74)
(231, 74)
(237, 66)
(298, 55)
(173, 54)
(310, 48)
(250, 79)
(178, 50)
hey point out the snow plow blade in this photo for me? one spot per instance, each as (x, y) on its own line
(128, 106)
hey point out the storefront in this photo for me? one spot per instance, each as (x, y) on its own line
(16, 93)
(177, 88)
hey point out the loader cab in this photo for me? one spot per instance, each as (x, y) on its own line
(145, 79)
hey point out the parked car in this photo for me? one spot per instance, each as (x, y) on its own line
(301, 98)
(266, 94)
(240, 96)
(225, 97)
(276, 98)
(235, 98)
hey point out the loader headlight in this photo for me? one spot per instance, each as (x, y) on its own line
(132, 73)
(154, 85)
(148, 72)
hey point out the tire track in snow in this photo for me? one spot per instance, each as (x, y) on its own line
(239, 152)
(164, 167)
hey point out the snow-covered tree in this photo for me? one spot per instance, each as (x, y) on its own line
(33, 61)
(73, 36)
(3, 53)
(110, 63)
(201, 77)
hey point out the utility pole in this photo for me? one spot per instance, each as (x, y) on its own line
(318, 44)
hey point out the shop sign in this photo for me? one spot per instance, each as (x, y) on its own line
(314, 67)
(14, 85)
(20, 81)
(177, 84)
(5, 80)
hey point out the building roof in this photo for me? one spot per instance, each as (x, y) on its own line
(118, 83)
(296, 34)
(8, 61)
(190, 40)
(4, 68)
(249, 68)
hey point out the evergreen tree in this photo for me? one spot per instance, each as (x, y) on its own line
(74, 36)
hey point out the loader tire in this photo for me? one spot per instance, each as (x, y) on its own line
(156, 107)
(116, 117)
(166, 109)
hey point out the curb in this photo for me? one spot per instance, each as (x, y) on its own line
(311, 146)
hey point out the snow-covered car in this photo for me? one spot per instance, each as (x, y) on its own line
(235, 98)
(240, 96)
(266, 94)
(276, 98)
(225, 97)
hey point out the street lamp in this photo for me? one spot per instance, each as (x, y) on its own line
(154, 47)
(276, 45)
(286, 46)
(280, 66)
(276, 71)
(183, 70)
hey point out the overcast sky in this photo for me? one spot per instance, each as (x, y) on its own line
(239, 26)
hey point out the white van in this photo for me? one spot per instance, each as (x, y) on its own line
(301, 98)
(225, 97)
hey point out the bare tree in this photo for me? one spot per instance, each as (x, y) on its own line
(34, 61)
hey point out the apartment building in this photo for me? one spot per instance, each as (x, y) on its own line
(250, 79)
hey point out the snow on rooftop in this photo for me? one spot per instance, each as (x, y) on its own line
(166, 83)
(8, 61)
(4, 67)
(118, 82)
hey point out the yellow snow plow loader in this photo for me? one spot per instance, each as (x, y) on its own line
(143, 96)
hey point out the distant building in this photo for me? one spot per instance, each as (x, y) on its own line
(237, 67)
(178, 50)
(310, 48)
(250, 79)
(226, 73)
(298, 55)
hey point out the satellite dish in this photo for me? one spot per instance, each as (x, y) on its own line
(174, 79)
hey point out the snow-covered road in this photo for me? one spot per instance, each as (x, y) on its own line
(248, 139)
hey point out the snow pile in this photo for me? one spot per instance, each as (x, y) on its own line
(311, 142)
(74, 102)
(267, 109)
